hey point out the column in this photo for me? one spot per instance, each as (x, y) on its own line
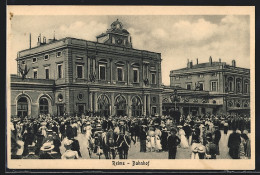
(128, 72)
(112, 103)
(95, 102)
(160, 104)
(111, 70)
(159, 75)
(88, 67)
(90, 101)
(129, 111)
(144, 106)
(148, 104)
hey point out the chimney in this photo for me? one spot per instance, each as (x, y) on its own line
(210, 60)
(234, 63)
(197, 61)
(30, 41)
(44, 40)
(190, 65)
(39, 40)
(219, 60)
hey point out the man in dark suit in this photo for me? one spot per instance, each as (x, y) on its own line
(233, 144)
(173, 142)
(217, 136)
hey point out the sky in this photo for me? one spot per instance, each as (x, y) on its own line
(177, 37)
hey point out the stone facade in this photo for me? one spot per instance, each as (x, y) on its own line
(79, 76)
(228, 86)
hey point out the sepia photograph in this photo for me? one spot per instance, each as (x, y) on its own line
(130, 87)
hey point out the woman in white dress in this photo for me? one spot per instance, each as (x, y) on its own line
(158, 145)
(184, 141)
(197, 149)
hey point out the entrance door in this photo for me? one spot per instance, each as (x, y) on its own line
(22, 107)
(153, 110)
(81, 109)
(120, 106)
(60, 110)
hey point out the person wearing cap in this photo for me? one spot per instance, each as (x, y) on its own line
(28, 139)
(31, 154)
(164, 139)
(75, 144)
(143, 136)
(173, 142)
(211, 148)
(234, 141)
(217, 137)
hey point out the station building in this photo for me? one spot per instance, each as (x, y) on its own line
(69, 75)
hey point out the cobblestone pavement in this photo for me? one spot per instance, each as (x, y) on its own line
(134, 151)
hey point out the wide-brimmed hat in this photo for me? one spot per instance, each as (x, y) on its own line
(47, 146)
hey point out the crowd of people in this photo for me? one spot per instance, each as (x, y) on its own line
(109, 136)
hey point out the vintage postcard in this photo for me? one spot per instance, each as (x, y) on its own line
(131, 87)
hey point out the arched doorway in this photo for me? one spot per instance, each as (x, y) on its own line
(43, 106)
(136, 107)
(103, 105)
(120, 106)
(22, 107)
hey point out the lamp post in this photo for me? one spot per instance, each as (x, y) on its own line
(174, 98)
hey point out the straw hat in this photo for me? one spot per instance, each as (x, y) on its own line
(47, 146)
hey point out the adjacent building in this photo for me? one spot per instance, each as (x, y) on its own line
(69, 75)
(227, 87)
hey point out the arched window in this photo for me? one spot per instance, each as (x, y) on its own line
(246, 87)
(43, 106)
(230, 84)
(136, 107)
(120, 106)
(238, 85)
(22, 107)
(103, 105)
(238, 105)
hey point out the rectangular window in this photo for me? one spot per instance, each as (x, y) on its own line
(58, 54)
(136, 75)
(177, 78)
(102, 72)
(46, 57)
(119, 74)
(201, 86)
(153, 78)
(47, 74)
(189, 86)
(214, 86)
(35, 74)
(79, 71)
(246, 88)
(59, 71)
(34, 60)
